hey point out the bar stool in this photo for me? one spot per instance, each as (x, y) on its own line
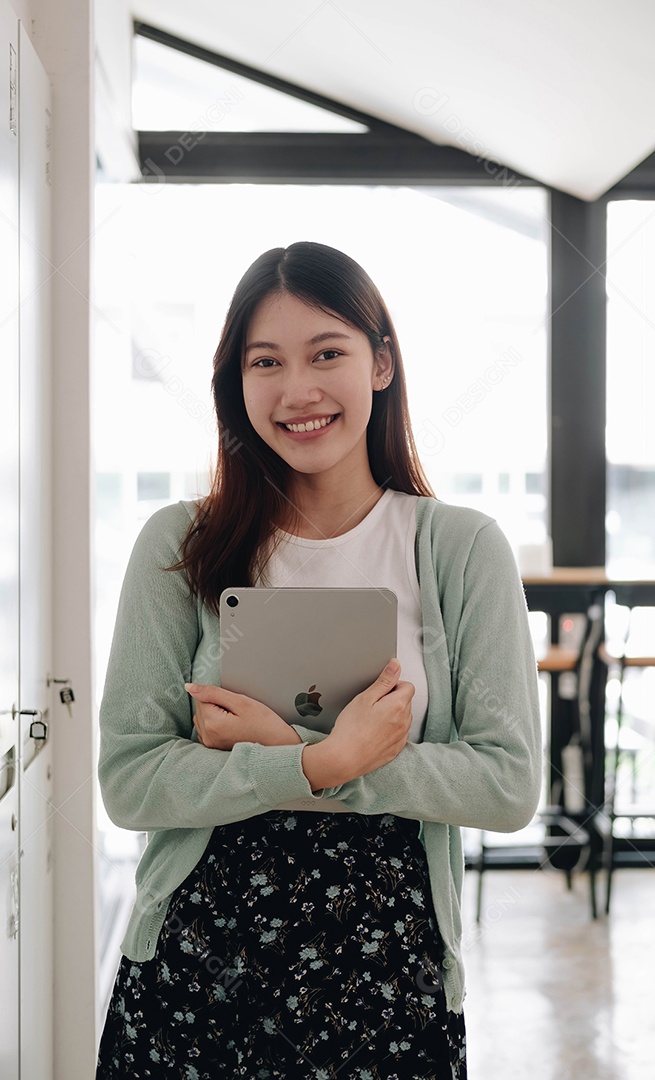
(628, 596)
(568, 844)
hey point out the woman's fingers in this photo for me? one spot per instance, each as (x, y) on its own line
(213, 695)
(406, 690)
(385, 681)
(388, 681)
(217, 728)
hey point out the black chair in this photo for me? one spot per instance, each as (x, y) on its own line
(621, 850)
(570, 842)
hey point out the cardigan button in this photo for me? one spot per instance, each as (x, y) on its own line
(448, 963)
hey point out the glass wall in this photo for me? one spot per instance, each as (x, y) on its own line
(631, 387)
(631, 482)
(464, 272)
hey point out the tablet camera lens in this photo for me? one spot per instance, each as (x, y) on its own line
(232, 601)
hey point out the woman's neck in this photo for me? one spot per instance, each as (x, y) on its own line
(325, 511)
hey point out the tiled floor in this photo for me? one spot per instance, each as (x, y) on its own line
(553, 995)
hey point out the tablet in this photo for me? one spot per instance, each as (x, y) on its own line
(306, 652)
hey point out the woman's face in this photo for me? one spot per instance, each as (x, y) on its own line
(308, 383)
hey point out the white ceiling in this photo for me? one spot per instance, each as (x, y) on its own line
(562, 90)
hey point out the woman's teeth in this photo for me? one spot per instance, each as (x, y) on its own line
(311, 425)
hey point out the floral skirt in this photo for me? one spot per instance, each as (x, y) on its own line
(302, 945)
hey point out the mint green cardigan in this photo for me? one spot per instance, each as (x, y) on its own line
(479, 764)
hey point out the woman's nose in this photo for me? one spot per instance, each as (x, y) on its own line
(300, 390)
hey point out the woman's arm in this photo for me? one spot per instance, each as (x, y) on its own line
(368, 733)
(153, 774)
(491, 776)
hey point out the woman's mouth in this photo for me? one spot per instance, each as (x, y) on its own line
(311, 428)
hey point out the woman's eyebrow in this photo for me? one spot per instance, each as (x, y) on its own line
(327, 335)
(261, 345)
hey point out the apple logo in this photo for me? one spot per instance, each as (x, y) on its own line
(307, 704)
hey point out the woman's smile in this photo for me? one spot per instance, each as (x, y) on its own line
(310, 428)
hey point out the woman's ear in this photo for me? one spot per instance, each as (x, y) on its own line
(384, 365)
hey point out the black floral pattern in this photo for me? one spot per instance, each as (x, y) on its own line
(301, 946)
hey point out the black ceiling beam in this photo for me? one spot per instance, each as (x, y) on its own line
(641, 181)
(299, 157)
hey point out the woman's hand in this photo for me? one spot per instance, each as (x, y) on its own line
(223, 718)
(368, 733)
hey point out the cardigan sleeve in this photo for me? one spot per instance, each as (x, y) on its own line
(153, 773)
(489, 775)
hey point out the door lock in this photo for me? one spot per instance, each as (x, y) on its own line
(38, 727)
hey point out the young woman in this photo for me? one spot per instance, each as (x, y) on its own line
(266, 940)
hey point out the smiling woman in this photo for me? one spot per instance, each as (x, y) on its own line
(333, 934)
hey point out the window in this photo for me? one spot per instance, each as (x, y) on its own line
(153, 487)
(631, 387)
(176, 92)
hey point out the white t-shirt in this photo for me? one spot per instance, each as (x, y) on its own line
(377, 553)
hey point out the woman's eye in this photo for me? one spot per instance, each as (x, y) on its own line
(264, 362)
(329, 354)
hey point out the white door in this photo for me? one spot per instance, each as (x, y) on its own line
(9, 545)
(35, 614)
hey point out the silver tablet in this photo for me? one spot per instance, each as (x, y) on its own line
(306, 652)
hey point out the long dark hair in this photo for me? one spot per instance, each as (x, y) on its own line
(229, 541)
